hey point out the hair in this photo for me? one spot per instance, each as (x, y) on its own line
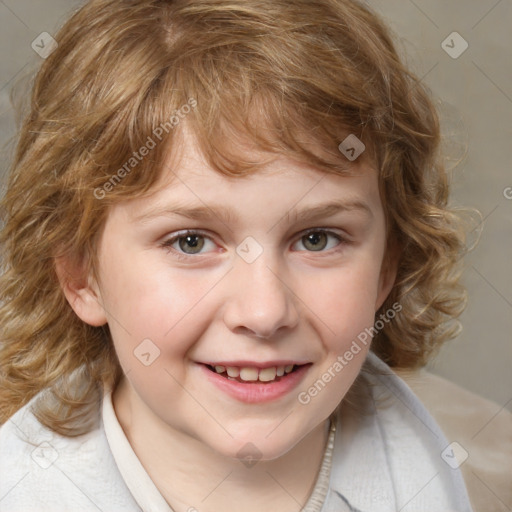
(293, 79)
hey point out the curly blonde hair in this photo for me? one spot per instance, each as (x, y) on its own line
(292, 77)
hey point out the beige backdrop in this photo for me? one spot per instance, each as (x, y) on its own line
(474, 88)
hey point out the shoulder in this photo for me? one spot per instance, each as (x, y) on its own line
(42, 470)
(388, 439)
(482, 431)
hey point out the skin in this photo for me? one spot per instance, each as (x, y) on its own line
(291, 303)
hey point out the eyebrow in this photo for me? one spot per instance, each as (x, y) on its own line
(227, 215)
(328, 210)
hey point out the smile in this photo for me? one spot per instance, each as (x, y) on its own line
(252, 374)
(250, 384)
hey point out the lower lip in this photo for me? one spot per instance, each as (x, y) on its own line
(257, 392)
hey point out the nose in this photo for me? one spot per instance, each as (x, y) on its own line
(259, 303)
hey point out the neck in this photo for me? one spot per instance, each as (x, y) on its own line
(192, 477)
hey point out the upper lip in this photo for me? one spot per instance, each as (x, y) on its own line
(255, 364)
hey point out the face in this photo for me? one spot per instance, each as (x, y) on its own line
(228, 299)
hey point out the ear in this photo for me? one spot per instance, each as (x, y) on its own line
(81, 291)
(388, 272)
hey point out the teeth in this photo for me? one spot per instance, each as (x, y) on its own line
(268, 374)
(233, 371)
(251, 374)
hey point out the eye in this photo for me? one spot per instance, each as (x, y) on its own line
(189, 243)
(318, 240)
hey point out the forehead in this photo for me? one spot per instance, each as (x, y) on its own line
(186, 163)
(277, 184)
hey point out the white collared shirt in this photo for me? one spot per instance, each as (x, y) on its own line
(390, 457)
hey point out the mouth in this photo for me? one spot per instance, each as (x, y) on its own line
(252, 382)
(246, 374)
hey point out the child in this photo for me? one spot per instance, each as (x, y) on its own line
(224, 223)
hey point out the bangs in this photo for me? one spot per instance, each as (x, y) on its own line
(254, 86)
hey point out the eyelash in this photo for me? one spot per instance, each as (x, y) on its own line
(167, 244)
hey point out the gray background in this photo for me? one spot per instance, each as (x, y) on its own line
(474, 93)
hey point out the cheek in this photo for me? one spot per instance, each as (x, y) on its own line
(343, 307)
(343, 301)
(158, 304)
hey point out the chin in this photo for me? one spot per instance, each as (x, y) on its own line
(252, 445)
